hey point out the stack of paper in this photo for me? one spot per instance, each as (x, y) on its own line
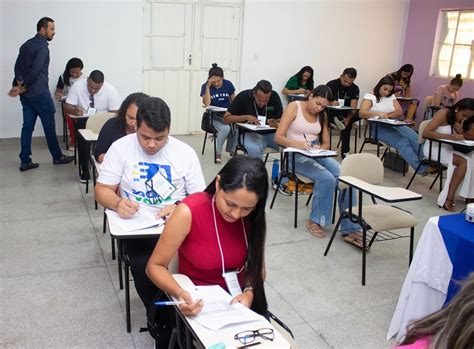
(312, 152)
(141, 220)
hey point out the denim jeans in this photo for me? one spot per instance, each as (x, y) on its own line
(324, 173)
(405, 140)
(223, 131)
(42, 106)
(256, 143)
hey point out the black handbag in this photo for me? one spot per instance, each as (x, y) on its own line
(206, 123)
(395, 162)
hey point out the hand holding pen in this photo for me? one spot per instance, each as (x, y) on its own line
(313, 145)
(187, 305)
(127, 208)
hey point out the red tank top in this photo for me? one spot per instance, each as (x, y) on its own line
(199, 256)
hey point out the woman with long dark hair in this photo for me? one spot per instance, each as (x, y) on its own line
(218, 232)
(447, 95)
(300, 83)
(402, 78)
(382, 103)
(304, 126)
(125, 123)
(447, 123)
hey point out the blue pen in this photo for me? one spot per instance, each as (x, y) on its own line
(310, 143)
(169, 303)
(128, 197)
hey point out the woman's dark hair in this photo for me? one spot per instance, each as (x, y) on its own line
(72, 63)
(457, 80)
(216, 71)
(386, 80)
(249, 173)
(462, 104)
(467, 124)
(407, 68)
(155, 113)
(134, 98)
(310, 82)
(324, 92)
(451, 327)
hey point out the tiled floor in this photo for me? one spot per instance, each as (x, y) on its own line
(59, 285)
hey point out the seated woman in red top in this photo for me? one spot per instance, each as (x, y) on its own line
(218, 234)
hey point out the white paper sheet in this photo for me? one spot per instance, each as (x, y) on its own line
(313, 152)
(141, 220)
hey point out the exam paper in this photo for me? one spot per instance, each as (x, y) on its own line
(141, 220)
(312, 152)
(217, 109)
(217, 312)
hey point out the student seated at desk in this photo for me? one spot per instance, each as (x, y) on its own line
(451, 123)
(300, 83)
(402, 78)
(304, 126)
(115, 128)
(383, 104)
(447, 95)
(451, 327)
(219, 92)
(72, 74)
(221, 230)
(91, 93)
(129, 171)
(247, 106)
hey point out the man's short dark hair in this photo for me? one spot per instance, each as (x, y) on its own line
(43, 23)
(97, 76)
(264, 86)
(350, 72)
(155, 113)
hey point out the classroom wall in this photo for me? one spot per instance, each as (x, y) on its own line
(419, 42)
(105, 34)
(279, 37)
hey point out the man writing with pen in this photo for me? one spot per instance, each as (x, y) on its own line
(147, 171)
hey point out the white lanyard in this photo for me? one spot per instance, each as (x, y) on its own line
(219, 241)
(256, 111)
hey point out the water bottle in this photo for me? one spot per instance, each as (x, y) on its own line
(275, 169)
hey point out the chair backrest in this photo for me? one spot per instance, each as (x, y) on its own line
(96, 121)
(428, 102)
(421, 129)
(364, 166)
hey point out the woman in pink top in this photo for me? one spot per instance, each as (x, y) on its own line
(449, 328)
(446, 95)
(304, 126)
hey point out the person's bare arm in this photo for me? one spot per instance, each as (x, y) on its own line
(73, 109)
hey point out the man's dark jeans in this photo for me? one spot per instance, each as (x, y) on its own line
(42, 106)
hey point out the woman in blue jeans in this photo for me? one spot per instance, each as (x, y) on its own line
(304, 126)
(383, 104)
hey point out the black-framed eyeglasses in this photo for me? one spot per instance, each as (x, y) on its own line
(246, 337)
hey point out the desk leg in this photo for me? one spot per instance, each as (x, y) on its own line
(126, 266)
(119, 261)
(356, 131)
(76, 133)
(377, 139)
(296, 188)
(88, 151)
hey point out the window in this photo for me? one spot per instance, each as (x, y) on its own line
(454, 46)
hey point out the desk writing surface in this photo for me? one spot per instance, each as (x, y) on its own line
(392, 122)
(389, 194)
(406, 99)
(84, 116)
(255, 128)
(464, 142)
(117, 232)
(216, 109)
(311, 153)
(226, 334)
(88, 135)
(340, 107)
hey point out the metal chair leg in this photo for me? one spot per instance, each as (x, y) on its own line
(336, 228)
(364, 253)
(126, 266)
(204, 143)
(412, 238)
(413, 177)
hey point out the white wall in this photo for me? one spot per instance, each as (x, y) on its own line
(105, 34)
(279, 37)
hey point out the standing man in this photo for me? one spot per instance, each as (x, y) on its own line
(84, 94)
(31, 83)
(346, 93)
(247, 106)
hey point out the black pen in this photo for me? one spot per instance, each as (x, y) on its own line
(249, 345)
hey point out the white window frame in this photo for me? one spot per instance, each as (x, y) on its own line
(438, 43)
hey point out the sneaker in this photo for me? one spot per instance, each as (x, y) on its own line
(63, 159)
(71, 147)
(282, 189)
(218, 158)
(84, 179)
(345, 155)
(339, 124)
(30, 166)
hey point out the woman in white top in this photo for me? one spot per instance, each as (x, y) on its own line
(304, 125)
(447, 123)
(383, 104)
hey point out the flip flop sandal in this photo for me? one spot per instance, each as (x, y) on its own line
(315, 230)
(356, 240)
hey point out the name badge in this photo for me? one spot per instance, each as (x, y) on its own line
(91, 111)
(232, 283)
(161, 185)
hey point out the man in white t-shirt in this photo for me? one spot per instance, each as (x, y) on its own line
(85, 96)
(134, 165)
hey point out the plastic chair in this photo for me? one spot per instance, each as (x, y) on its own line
(213, 135)
(377, 218)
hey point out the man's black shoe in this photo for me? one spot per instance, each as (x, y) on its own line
(30, 166)
(64, 159)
